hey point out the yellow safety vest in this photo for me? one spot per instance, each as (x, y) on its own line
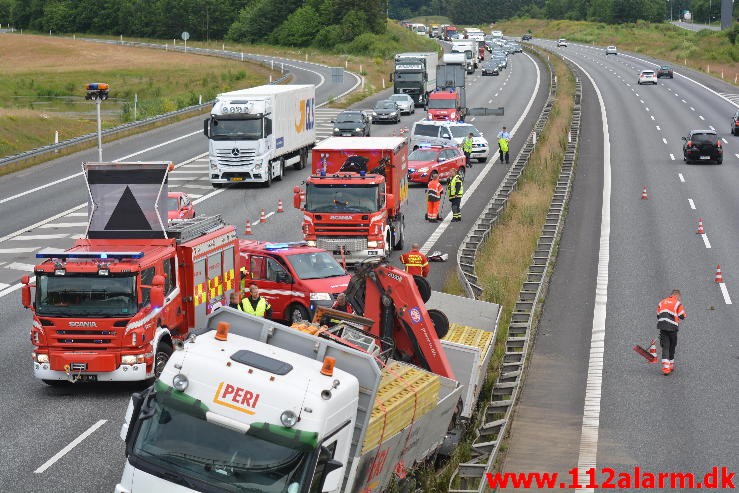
(503, 143)
(467, 145)
(259, 311)
(452, 187)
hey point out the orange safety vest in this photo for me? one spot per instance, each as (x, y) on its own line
(434, 191)
(669, 313)
(415, 263)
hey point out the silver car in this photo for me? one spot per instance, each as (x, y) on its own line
(404, 102)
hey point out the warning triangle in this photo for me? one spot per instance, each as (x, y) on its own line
(128, 215)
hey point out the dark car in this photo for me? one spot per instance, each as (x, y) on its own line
(386, 111)
(526, 37)
(352, 124)
(664, 71)
(735, 124)
(702, 145)
(490, 68)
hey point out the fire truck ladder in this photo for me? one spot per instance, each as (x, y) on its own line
(189, 229)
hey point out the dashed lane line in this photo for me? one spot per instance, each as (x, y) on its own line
(70, 446)
(680, 175)
(692, 204)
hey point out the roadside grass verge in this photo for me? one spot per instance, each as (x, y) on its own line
(706, 51)
(503, 259)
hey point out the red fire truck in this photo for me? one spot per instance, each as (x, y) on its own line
(353, 202)
(112, 307)
(445, 105)
(295, 278)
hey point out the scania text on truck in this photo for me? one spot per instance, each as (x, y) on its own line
(353, 202)
(254, 133)
(113, 306)
(295, 278)
(415, 75)
(348, 408)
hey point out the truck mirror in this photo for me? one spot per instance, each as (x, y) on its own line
(206, 127)
(296, 197)
(157, 297)
(26, 295)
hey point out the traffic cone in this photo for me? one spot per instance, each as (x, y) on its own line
(247, 229)
(262, 219)
(644, 194)
(279, 206)
(719, 277)
(653, 351)
(700, 231)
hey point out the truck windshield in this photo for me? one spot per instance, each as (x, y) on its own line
(175, 440)
(315, 265)
(408, 76)
(442, 104)
(72, 296)
(236, 129)
(341, 198)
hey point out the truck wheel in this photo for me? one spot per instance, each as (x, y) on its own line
(424, 288)
(303, 161)
(440, 321)
(217, 185)
(57, 383)
(297, 313)
(164, 351)
(282, 169)
(268, 183)
(401, 234)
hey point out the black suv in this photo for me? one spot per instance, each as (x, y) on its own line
(664, 71)
(735, 124)
(702, 145)
(352, 124)
(526, 37)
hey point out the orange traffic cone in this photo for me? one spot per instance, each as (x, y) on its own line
(666, 369)
(262, 218)
(644, 194)
(653, 351)
(700, 231)
(719, 277)
(247, 229)
(279, 206)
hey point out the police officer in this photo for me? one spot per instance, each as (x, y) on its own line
(455, 191)
(415, 262)
(504, 138)
(255, 304)
(433, 199)
(467, 149)
(670, 312)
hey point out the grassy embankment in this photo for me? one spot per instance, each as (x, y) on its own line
(707, 51)
(504, 258)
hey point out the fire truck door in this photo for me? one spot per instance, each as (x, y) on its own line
(200, 294)
(173, 315)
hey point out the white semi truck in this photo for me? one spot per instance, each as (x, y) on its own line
(249, 405)
(254, 133)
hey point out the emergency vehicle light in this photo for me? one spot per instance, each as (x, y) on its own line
(81, 255)
(282, 246)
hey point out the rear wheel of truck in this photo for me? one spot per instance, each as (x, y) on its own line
(297, 313)
(303, 161)
(400, 230)
(164, 351)
(424, 288)
(268, 181)
(440, 321)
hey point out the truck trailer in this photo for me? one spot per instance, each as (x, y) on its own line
(415, 75)
(254, 133)
(311, 408)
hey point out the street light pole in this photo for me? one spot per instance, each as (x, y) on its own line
(98, 91)
(100, 132)
(710, 9)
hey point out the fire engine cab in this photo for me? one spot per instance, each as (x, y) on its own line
(293, 277)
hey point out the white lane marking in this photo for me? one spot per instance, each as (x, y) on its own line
(711, 127)
(588, 454)
(70, 177)
(692, 204)
(472, 119)
(63, 225)
(19, 250)
(705, 241)
(664, 140)
(468, 193)
(637, 94)
(41, 223)
(737, 155)
(676, 94)
(641, 101)
(196, 186)
(658, 127)
(266, 216)
(724, 140)
(646, 109)
(490, 101)
(77, 214)
(496, 95)
(10, 289)
(40, 237)
(20, 266)
(672, 156)
(3, 286)
(682, 178)
(194, 195)
(725, 292)
(652, 116)
(701, 117)
(683, 101)
(69, 447)
(692, 109)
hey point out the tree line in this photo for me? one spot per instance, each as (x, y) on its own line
(323, 23)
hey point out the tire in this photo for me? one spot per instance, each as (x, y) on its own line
(303, 161)
(164, 351)
(268, 182)
(440, 321)
(57, 383)
(399, 243)
(424, 288)
(482, 160)
(217, 185)
(720, 161)
(296, 313)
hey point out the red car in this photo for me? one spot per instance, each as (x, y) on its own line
(179, 206)
(426, 163)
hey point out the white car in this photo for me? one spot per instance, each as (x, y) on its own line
(647, 77)
(561, 42)
(611, 50)
(404, 102)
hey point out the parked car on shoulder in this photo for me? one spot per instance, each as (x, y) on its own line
(702, 145)
(647, 77)
(429, 162)
(404, 102)
(664, 71)
(611, 50)
(386, 111)
(351, 123)
(179, 206)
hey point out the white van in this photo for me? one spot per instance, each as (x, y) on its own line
(428, 132)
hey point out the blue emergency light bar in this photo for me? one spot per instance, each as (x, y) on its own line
(282, 246)
(87, 255)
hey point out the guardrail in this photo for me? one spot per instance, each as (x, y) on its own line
(469, 477)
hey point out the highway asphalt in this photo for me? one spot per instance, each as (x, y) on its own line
(683, 422)
(67, 439)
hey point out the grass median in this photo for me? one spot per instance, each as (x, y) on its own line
(504, 258)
